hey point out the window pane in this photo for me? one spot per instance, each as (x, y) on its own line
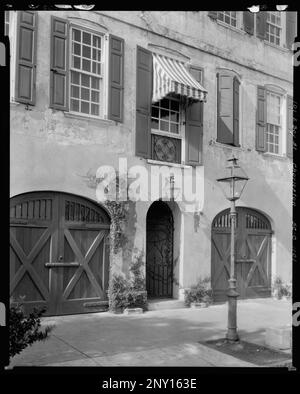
(95, 96)
(155, 112)
(85, 80)
(84, 107)
(75, 105)
(76, 49)
(86, 38)
(164, 114)
(85, 94)
(174, 117)
(95, 83)
(96, 42)
(174, 105)
(154, 124)
(95, 109)
(86, 51)
(174, 128)
(165, 103)
(75, 91)
(86, 65)
(75, 77)
(76, 62)
(76, 35)
(164, 126)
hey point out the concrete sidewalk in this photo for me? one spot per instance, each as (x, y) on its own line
(155, 338)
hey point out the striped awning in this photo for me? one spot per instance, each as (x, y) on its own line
(171, 76)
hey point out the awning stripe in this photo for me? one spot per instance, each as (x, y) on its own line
(171, 76)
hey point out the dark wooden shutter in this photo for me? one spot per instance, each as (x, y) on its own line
(26, 57)
(143, 102)
(116, 78)
(194, 127)
(291, 28)
(261, 24)
(225, 108)
(261, 119)
(59, 72)
(236, 111)
(248, 22)
(213, 14)
(289, 128)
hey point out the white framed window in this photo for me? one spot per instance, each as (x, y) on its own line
(274, 123)
(228, 17)
(274, 27)
(167, 129)
(87, 71)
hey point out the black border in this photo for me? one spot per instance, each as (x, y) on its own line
(90, 379)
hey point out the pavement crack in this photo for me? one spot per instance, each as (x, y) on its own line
(73, 347)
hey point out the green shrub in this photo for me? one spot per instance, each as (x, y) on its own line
(128, 293)
(25, 330)
(200, 292)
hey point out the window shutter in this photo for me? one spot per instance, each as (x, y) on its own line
(261, 24)
(236, 105)
(261, 119)
(59, 64)
(143, 102)
(289, 128)
(248, 22)
(225, 108)
(291, 28)
(194, 127)
(213, 14)
(26, 57)
(116, 79)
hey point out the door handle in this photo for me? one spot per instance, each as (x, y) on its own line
(60, 258)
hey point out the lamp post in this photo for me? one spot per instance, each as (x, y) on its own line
(232, 184)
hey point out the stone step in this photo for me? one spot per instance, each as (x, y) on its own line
(163, 304)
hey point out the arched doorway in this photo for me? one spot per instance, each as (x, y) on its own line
(58, 255)
(253, 254)
(159, 254)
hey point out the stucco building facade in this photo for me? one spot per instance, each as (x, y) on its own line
(75, 106)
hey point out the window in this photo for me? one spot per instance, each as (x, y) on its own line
(229, 17)
(274, 123)
(86, 85)
(6, 23)
(273, 27)
(166, 117)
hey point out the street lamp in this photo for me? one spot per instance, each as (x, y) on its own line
(232, 184)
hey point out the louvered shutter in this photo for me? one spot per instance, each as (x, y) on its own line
(59, 72)
(225, 108)
(143, 102)
(26, 57)
(261, 119)
(213, 14)
(261, 24)
(248, 18)
(236, 106)
(289, 128)
(116, 78)
(194, 127)
(291, 28)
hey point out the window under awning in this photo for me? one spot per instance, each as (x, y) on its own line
(171, 76)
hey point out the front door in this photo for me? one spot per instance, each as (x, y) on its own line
(253, 254)
(59, 256)
(159, 258)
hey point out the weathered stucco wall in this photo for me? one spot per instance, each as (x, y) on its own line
(51, 150)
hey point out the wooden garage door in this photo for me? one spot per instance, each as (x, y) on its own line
(59, 255)
(253, 254)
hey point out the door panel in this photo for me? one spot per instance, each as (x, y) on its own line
(58, 254)
(253, 254)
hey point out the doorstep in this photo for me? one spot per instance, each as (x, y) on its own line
(156, 304)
